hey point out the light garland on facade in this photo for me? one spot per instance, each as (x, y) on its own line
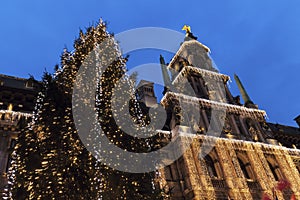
(206, 73)
(240, 110)
(14, 114)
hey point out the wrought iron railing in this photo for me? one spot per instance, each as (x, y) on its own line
(219, 184)
(253, 185)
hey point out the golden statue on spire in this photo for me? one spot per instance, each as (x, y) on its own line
(189, 35)
(186, 28)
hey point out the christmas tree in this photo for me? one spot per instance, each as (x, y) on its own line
(50, 161)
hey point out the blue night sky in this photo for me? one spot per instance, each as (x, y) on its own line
(258, 40)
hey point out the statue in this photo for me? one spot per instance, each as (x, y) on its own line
(189, 35)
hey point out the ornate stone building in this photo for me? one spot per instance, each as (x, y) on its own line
(17, 100)
(234, 153)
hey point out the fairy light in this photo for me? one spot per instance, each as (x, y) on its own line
(50, 161)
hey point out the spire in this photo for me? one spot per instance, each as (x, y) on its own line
(166, 77)
(245, 96)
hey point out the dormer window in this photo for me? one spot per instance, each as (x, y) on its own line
(30, 82)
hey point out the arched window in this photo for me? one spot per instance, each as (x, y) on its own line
(210, 166)
(274, 168)
(244, 169)
(245, 166)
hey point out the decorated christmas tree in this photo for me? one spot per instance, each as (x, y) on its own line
(50, 160)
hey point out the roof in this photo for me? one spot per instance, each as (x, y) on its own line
(286, 135)
(297, 118)
(185, 45)
(14, 82)
(144, 82)
(292, 131)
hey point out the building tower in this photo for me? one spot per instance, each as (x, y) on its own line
(145, 92)
(234, 155)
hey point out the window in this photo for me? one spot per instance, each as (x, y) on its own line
(29, 84)
(210, 166)
(244, 169)
(274, 170)
(245, 166)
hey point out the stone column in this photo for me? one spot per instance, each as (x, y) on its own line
(192, 172)
(289, 169)
(205, 119)
(234, 125)
(258, 168)
(202, 85)
(4, 145)
(207, 191)
(259, 132)
(230, 174)
(268, 181)
(241, 182)
(244, 129)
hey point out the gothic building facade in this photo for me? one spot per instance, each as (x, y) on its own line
(234, 153)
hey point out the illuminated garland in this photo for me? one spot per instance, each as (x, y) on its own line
(206, 73)
(240, 110)
(14, 114)
(49, 161)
